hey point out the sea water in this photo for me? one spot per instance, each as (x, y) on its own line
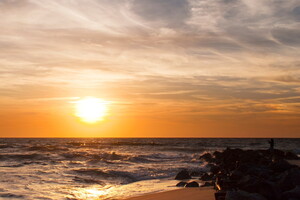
(106, 168)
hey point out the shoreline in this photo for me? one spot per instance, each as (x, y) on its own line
(200, 193)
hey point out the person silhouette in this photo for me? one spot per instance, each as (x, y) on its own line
(271, 142)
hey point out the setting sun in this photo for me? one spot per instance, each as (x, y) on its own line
(91, 109)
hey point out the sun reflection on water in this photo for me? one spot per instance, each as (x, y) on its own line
(108, 192)
(92, 193)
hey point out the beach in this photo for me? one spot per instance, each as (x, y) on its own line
(206, 193)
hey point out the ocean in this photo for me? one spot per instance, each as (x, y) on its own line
(106, 168)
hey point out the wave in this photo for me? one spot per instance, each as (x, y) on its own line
(115, 143)
(87, 180)
(184, 149)
(119, 176)
(20, 157)
(109, 157)
(10, 195)
(4, 146)
(135, 144)
(46, 148)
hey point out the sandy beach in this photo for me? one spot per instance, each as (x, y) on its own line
(206, 193)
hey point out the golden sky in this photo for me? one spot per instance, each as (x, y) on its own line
(171, 68)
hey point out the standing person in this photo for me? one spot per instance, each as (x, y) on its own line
(271, 142)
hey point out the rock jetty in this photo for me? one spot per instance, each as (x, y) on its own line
(249, 174)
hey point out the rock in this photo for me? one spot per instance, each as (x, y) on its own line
(192, 184)
(236, 175)
(206, 184)
(183, 174)
(291, 194)
(247, 180)
(255, 173)
(289, 179)
(278, 154)
(218, 156)
(181, 184)
(265, 188)
(259, 171)
(208, 166)
(196, 173)
(206, 177)
(215, 169)
(281, 166)
(206, 157)
(291, 156)
(242, 195)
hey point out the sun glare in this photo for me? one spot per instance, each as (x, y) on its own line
(91, 109)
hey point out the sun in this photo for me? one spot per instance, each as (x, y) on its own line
(91, 109)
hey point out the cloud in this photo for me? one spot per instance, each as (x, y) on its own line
(170, 13)
(296, 13)
(287, 36)
(288, 79)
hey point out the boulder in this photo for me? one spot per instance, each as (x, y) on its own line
(206, 184)
(247, 180)
(291, 156)
(278, 154)
(259, 171)
(215, 169)
(218, 156)
(181, 184)
(242, 195)
(265, 188)
(291, 194)
(236, 175)
(281, 166)
(192, 184)
(183, 174)
(206, 177)
(206, 157)
(196, 173)
(289, 179)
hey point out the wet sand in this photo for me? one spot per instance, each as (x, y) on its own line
(205, 193)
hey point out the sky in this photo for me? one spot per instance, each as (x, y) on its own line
(171, 68)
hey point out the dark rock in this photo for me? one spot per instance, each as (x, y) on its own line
(183, 174)
(215, 169)
(181, 184)
(196, 173)
(291, 156)
(206, 157)
(208, 166)
(236, 175)
(278, 154)
(262, 173)
(206, 177)
(259, 171)
(247, 180)
(281, 166)
(289, 179)
(206, 184)
(265, 188)
(192, 184)
(217, 157)
(242, 195)
(291, 194)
